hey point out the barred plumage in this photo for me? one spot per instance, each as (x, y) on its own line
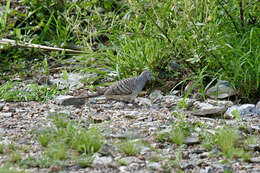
(128, 89)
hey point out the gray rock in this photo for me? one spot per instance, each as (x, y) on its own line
(102, 160)
(144, 101)
(2, 104)
(191, 140)
(254, 147)
(156, 94)
(245, 109)
(208, 109)
(258, 105)
(221, 90)
(206, 170)
(69, 100)
(154, 165)
(255, 159)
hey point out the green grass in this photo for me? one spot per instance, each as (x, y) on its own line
(229, 142)
(179, 131)
(16, 91)
(2, 148)
(6, 168)
(130, 148)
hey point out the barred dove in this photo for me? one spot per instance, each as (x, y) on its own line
(128, 89)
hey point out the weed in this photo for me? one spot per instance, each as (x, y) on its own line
(60, 121)
(44, 139)
(35, 162)
(180, 131)
(2, 147)
(130, 148)
(87, 141)
(15, 157)
(84, 161)
(16, 91)
(6, 168)
(12, 146)
(56, 151)
(226, 139)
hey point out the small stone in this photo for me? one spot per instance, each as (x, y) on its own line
(55, 168)
(144, 101)
(206, 170)
(69, 100)
(221, 90)
(258, 105)
(2, 104)
(102, 160)
(245, 109)
(254, 147)
(192, 140)
(255, 159)
(154, 165)
(6, 114)
(156, 94)
(214, 110)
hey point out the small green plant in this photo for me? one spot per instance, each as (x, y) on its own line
(87, 141)
(60, 120)
(227, 140)
(2, 147)
(12, 146)
(35, 162)
(122, 162)
(130, 148)
(6, 168)
(15, 157)
(56, 151)
(44, 139)
(15, 91)
(84, 161)
(180, 131)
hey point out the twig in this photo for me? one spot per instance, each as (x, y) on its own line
(38, 46)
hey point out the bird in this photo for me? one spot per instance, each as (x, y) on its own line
(128, 89)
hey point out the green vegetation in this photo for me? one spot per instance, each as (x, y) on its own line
(68, 134)
(209, 39)
(10, 92)
(130, 148)
(65, 140)
(226, 139)
(6, 168)
(179, 131)
(2, 147)
(230, 143)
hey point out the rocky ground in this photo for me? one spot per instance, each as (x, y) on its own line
(153, 115)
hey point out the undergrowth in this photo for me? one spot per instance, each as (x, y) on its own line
(125, 37)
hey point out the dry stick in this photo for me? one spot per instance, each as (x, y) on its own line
(232, 20)
(15, 43)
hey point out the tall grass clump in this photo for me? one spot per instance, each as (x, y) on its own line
(222, 36)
